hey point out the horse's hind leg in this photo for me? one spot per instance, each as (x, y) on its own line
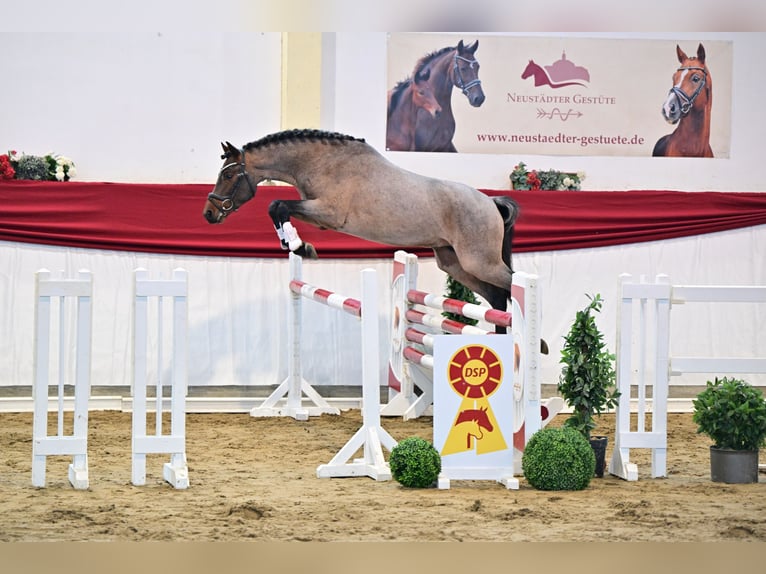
(497, 297)
(280, 211)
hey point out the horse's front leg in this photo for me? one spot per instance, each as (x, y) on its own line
(280, 211)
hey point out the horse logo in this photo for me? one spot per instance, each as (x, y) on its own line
(560, 74)
(474, 422)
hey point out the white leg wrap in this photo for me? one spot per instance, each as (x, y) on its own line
(291, 236)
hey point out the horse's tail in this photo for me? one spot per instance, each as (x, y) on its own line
(509, 210)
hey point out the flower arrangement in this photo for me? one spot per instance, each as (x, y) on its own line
(553, 180)
(50, 167)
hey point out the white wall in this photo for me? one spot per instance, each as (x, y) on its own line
(139, 107)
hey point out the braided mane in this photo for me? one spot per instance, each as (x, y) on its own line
(298, 135)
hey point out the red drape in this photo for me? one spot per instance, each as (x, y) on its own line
(167, 218)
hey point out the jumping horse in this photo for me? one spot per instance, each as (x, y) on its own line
(404, 101)
(688, 104)
(450, 67)
(347, 186)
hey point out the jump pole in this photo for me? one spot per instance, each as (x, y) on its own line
(80, 291)
(176, 471)
(410, 367)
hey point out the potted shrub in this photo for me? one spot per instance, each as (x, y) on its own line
(587, 380)
(733, 414)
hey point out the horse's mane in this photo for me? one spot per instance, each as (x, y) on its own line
(290, 136)
(396, 93)
(428, 58)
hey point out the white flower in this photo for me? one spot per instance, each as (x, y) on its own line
(568, 182)
(72, 171)
(60, 173)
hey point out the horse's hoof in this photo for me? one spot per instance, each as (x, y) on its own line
(306, 251)
(311, 253)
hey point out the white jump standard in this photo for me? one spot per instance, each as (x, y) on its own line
(62, 290)
(653, 302)
(176, 471)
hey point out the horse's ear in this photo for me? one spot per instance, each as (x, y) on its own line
(229, 151)
(472, 48)
(423, 75)
(681, 54)
(701, 53)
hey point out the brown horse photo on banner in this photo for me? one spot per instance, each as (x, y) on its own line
(420, 127)
(688, 104)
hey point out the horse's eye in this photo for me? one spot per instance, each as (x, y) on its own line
(227, 175)
(696, 78)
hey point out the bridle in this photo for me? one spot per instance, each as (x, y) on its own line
(226, 204)
(688, 101)
(456, 69)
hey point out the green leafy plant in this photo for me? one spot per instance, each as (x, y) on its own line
(587, 380)
(415, 463)
(456, 290)
(558, 458)
(732, 413)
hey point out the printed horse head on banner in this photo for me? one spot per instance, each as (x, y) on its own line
(404, 101)
(688, 104)
(448, 68)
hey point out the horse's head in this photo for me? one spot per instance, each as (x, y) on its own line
(423, 94)
(229, 193)
(691, 86)
(529, 70)
(465, 71)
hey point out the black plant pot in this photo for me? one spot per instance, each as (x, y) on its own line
(598, 444)
(733, 466)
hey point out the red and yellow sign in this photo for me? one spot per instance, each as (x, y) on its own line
(474, 373)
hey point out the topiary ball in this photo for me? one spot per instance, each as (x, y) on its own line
(415, 463)
(558, 459)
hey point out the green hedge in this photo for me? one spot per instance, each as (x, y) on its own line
(558, 459)
(415, 463)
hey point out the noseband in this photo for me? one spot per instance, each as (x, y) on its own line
(460, 82)
(688, 101)
(226, 204)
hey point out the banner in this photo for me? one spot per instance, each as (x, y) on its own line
(496, 94)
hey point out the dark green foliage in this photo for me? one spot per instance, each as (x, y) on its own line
(732, 413)
(415, 463)
(558, 459)
(456, 290)
(587, 381)
(32, 167)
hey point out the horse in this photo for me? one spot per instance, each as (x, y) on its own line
(541, 77)
(688, 104)
(404, 101)
(347, 186)
(477, 421)
(450, 67)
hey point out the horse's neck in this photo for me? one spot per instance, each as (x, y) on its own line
(695, 127)
(442, 81)
(284, 167)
